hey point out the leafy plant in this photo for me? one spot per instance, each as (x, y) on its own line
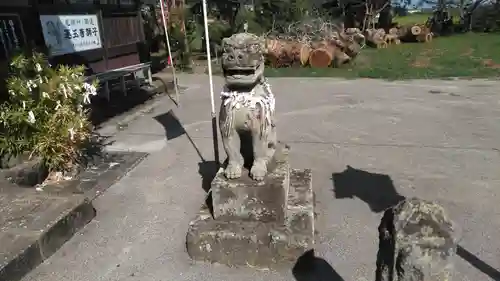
(195, 36)
(218, 30)
(249, 17)
(180, 51)
(45, 115)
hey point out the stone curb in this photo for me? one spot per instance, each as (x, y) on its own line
(49, 241)
(33, 247)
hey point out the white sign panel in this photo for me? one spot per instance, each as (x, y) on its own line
(66, 34)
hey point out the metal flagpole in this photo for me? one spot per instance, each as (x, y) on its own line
(171, 60)
(209, 60)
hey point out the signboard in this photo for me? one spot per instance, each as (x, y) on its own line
(66, 34)
(11, 35)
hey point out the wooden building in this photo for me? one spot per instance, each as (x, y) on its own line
(101, 34)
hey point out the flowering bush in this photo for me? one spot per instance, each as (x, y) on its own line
(45, 115)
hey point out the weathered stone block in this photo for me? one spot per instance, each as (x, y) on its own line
(300, 204)
(246, 199)
(229, 242)
(297, 236)
(262, 244)
(417, 243)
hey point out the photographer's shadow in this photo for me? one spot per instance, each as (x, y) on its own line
(311, 268)
(376, 190)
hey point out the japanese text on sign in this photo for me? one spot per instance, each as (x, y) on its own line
(65, 34)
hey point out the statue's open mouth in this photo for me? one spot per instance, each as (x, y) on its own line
(240, 71)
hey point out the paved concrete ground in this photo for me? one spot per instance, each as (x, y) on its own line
(434, 139)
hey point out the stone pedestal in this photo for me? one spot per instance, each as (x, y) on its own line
(255, 223)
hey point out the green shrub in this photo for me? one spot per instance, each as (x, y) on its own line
(245, 15)
(194, 33)
(44, 115)
(217, 31)
(180, 51)
(176, 38)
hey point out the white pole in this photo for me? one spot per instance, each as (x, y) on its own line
(209, 61)
(171, 60)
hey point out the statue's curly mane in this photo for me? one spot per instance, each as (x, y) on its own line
(263, 102)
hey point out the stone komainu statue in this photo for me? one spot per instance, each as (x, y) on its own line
(263, 222)
(418, 242)
(247, 105)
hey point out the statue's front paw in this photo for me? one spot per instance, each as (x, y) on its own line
(258, 171)
(233, 171)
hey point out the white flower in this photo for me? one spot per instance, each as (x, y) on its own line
(65, 92)
(58, 105)
(71, 133)
(38, 67)
(12, 93)
(30, 84)
(31, 117)
(86, 98)
(90, 90)
(24, 105)
(45, 95)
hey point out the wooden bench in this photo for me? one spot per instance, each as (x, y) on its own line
(122, 73)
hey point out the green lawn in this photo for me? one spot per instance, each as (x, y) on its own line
(412, 18)
(419, 18)
(465, 55)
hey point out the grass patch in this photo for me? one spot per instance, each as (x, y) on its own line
(470, 55)
(420, 18)
(412, 18)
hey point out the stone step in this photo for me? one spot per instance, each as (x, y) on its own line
(246, 199)
(257, 243)
(300, 203)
